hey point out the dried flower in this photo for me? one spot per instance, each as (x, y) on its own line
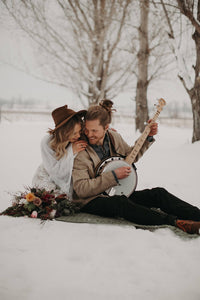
(37, 201)
(30, 197)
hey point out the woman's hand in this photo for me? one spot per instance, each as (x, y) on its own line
(79, 146)
(113, 129)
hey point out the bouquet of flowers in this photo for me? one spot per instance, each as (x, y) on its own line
(39, 203)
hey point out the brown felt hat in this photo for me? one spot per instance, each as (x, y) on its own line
(63, 114)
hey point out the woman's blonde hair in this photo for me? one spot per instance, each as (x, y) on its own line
(60, 137)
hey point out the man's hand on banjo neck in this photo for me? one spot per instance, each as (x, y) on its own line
(124, 172)
(153, 127)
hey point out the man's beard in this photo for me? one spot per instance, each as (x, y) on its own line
(96, 140)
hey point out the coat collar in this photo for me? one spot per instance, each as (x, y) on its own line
(94, 156)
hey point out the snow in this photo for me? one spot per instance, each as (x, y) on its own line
(86, 261)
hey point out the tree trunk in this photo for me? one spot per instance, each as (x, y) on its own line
(143, 57)
(195, 92)
(195, 99)
(97, 62)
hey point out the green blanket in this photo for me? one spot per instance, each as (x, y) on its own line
(93, 219)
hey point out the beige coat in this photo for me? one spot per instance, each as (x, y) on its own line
(86, 185)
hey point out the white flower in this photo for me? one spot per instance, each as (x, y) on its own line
(52, 213)
(23, 201)
(34, 214)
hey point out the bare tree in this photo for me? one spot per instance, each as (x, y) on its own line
(188, 69)
(78, 42)
(143, 58)
(153, 57)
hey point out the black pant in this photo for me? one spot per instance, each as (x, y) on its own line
(138, 207)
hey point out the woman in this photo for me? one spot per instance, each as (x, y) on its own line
(58, 150)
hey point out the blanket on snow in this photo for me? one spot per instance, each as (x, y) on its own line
(93, 219)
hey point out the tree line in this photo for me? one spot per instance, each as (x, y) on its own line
(98, 48)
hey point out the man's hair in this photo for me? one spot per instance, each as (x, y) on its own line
(102, 112)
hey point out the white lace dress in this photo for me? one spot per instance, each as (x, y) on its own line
(54, 174)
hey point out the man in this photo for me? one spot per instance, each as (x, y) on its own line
(89, 189)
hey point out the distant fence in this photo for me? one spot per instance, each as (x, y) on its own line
(25, 115)
(178, 122)
(44, 115)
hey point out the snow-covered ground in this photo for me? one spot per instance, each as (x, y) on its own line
(58, 260)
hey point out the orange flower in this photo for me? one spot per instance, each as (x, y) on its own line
(30, 197)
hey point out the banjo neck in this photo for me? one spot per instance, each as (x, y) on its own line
(132, 156)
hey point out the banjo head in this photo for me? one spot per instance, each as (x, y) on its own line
(127, 185)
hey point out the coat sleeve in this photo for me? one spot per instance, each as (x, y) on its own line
(143, 149)
(84, 181)
(124, 149)
(60, 171)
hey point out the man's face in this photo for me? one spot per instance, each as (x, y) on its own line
(95, 132)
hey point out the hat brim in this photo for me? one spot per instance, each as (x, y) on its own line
(80, 113)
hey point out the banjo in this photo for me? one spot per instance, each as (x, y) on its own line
(126, 186)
